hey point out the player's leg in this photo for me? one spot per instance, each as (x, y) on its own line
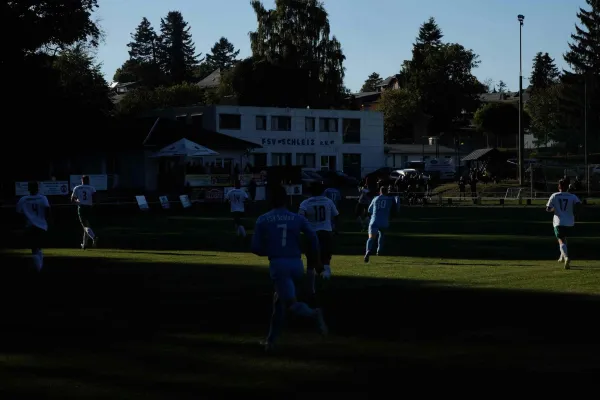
(84, 219)
(326, 243)
(373, 231)
(561, 235)
(34, 239)
(240, 223)
(379, 242)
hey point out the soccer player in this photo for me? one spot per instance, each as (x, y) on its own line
(236, 198)
(364, 199)
(321, 212)
(36, 209)
(82, 196)
(277, 236)
(380, 209)
(564, 205)
(334, 194)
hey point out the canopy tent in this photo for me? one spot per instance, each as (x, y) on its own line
(185, 148)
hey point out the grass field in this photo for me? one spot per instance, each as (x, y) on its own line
(170, 306)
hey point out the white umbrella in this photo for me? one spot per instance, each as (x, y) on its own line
(185, 148)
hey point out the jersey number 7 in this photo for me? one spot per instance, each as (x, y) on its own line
(283, 228)
(563, 203)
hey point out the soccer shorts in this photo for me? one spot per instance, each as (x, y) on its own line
(84, 213)
(35, 237)
(562, 232)
(325, 253)
(361, 209)
(237, 217)
(283, 272)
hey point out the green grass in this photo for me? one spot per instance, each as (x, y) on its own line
(170, 306)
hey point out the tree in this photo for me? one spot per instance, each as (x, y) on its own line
(223, 55)
(371, 83)
(500, 119)
(543, 108)
(544, 73)
(399, 108)
(502, 87)
(295, 38)
(177, 52)
(142, 100)
(584, 59)
(489, 85)
(440, 74)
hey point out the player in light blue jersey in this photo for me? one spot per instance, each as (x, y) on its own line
(380, 209)
(277, 236)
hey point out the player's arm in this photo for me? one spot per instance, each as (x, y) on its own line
(258, 240)
(371, 207)
(335, 215)
(550, 205)
(74, 197)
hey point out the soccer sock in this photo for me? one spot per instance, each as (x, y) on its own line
(41, 257)
(90, 233)
(85, 239)
(242, 231)
(303, 310)
(37, 259)
(379, 242)
(563, 250)
(312, 275)
(276, 321)
(369, 245)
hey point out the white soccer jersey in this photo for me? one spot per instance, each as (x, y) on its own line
(84, 194)
(236, 198)
(564, 206)
(34, 208)
(319, 211)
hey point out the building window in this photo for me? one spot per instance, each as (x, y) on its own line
(329, 163)
(259, 160)
(328, 124)
(309, 124)
(306, 160)
(222, 166)
(261, 123)
(352, 165)
(230, 121)
(351, 132)
(279, 123)
(281, 159)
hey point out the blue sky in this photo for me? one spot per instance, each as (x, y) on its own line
(376, 35)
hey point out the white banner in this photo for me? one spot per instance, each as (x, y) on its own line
(142, 203)
(185, 201)
(164, 202)
(99, 182)
(47, 188)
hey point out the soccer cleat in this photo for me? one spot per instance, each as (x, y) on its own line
(561, 259)
(567, 263)
(321, 322)
(367, 256)
(326, 274)
(83, 246)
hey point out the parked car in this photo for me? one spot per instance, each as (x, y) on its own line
(337, 178)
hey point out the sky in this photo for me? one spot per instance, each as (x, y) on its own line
(376, 35)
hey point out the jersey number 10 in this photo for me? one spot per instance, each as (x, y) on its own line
(320, 214)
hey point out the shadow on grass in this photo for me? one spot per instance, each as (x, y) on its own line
(176, 331)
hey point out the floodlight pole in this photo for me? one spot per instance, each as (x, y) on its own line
(521, 132)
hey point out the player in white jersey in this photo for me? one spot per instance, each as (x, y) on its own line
(322, 214)
(564, 205)
(36, 209)
(83, 195)
(236, 197)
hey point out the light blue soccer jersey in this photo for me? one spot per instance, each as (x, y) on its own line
(277, 235)
(380, 210)
(333, 194)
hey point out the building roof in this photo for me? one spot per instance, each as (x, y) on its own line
(480, 154)
(417, 149)
(166, 131)
(388, 80)
(211, 81)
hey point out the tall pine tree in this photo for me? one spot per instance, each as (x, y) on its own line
(177, 52)
(223, 55)
(544, 73)
(584, 59)
(371, 83)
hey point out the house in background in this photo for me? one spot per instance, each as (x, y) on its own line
(212, 81)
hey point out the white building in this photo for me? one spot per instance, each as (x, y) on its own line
(343, 140)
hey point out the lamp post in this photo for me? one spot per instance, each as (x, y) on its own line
(585, 129)
(521, 17)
